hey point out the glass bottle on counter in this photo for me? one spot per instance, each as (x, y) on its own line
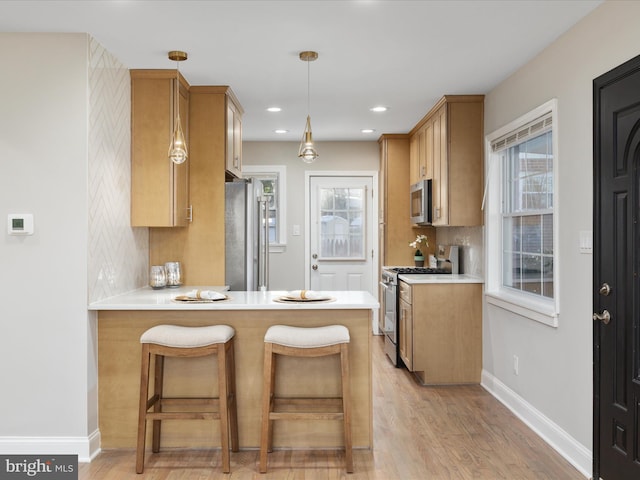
(157, 277)
(174, 275)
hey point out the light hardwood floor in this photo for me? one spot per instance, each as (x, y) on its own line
(421, 433)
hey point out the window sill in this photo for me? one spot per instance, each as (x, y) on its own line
(531, 308)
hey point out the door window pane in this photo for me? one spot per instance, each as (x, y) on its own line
(342, 223)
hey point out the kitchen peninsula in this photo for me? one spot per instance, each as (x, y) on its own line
(122, 319)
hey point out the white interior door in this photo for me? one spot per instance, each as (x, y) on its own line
(341, 235)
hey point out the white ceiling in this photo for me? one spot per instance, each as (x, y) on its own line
(401, 54)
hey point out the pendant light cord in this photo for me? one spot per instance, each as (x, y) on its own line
(308, 88)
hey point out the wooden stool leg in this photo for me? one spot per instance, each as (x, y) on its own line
(267, 391)
(158, 385)
(223, 397)
(346, 405)
(142, 409)
(233, 402)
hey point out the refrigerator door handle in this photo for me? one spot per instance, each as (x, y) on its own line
(263, 267)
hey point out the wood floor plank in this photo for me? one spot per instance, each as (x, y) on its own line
(420, 433)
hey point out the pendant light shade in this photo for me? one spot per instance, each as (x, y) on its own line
(307, 151)
(178, 146)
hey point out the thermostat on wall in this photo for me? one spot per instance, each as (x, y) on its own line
(20, 224)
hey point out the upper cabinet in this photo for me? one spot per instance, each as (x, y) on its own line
(234, 137)
(446, 146)
(395, 228)
(159, 188)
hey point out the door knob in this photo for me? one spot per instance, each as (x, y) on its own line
(605, 289)
(314, 256)
(315, 267)
(604, 317)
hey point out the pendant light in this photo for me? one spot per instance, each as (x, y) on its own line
(178, 147)
(307, 151)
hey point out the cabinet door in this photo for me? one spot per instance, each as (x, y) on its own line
(440, 169)
(405, 337)
(234, 140)
(414, 159)
(428, 150)
(159, 188)
(181, 204)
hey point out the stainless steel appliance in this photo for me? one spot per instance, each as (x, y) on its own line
(421, 203)
(447, 258)
(246, 236)
(389, 321)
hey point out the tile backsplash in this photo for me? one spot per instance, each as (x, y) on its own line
(118, 254)
(470, 240)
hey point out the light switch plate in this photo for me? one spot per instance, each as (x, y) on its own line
(586, 241)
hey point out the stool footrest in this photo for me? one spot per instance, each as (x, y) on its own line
(308, 401)
(183, 416)
(306, 416)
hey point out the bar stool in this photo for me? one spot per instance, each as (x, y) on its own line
(176, 341)
(304, 342)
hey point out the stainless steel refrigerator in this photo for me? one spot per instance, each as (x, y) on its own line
(246, 236)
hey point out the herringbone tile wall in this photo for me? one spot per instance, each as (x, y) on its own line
(118, 253)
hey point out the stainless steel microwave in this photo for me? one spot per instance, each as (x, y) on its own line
(421, 206)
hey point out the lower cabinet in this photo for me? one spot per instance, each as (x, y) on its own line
(441, 331)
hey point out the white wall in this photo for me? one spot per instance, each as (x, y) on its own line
(555, 364)
(287, 268)
(59, 143)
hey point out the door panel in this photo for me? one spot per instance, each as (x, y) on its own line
(616, 263)
(341, 230)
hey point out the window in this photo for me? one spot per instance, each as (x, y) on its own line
(342, 223)
(521, 261)
(273, 178)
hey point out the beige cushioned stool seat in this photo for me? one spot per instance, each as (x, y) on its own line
(187, 337)
(303, 337)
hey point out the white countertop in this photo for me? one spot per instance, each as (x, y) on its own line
(148, 299)
(414, 279)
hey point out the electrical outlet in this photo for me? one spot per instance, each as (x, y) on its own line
(516, 360)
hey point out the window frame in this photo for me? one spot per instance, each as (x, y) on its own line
(280, 172)
(539, 308)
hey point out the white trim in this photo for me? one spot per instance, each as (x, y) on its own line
(374, 232)
(573, 451)
(87, 448)
(542, 310)
(281, 172)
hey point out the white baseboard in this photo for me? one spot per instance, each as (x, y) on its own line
(85, 447)
(573, 451)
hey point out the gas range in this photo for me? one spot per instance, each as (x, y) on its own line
(390, 274)
(418, 270)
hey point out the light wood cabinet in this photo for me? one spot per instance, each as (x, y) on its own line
(159, 188)
(234, 138)
(395, 228)
(442, 341)
(405, 331)
(449, 151)
(421, 153)
(201, 247)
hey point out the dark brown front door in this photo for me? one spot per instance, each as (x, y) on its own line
(616, 265)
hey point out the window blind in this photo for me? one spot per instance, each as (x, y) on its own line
(534, 128)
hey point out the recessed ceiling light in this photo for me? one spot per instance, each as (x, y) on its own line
(281, 130)
(274, 109)
(379, 108)
(368, 130)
